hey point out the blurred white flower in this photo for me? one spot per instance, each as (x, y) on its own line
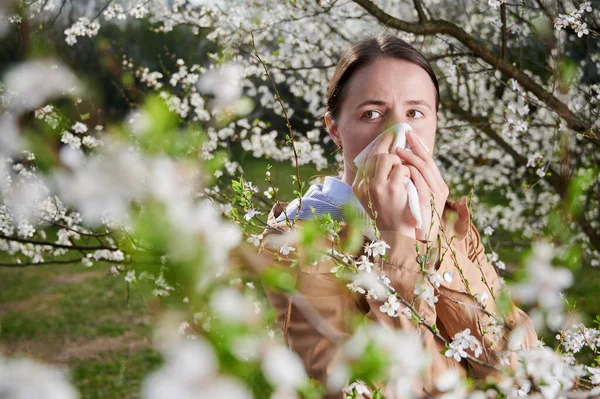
(283, 368)
(10, 141)
(130, 277)
(448, 381)
(34, 82)
(71, 157)
(104, 184)
(24, 198)
(23, 378)
(190, 372)
(544, 283)
(546, 369)
(230, 305)
(407, 356)
(223, 82)
(255, 239)
(594, 375)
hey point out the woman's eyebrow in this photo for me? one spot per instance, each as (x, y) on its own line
(371, 102)
(407, 102)
(418, 102)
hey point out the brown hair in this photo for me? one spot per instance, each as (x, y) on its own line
(364, 52)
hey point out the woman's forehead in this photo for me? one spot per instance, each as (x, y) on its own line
(387, 79)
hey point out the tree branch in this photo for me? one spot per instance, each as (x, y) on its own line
(504, 53)
(558, 182)
(51, 244)
(420, 10)
(50, 262)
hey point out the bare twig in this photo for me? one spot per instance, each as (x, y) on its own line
(314, 318)
(288, 124)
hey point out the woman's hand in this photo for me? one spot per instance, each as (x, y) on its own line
(383, 177)
(428, 180)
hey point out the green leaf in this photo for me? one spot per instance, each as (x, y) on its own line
(279, 279)
(504, 303)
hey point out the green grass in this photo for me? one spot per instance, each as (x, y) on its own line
(82, 318)
(117, 375)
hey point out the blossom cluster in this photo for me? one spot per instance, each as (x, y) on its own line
(575, 19)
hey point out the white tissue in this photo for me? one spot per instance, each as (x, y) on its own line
(400, 130)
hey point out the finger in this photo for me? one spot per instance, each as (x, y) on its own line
(383, 144)
(423, 190)
(421, 151)
(397, 175)
(417, 146)
(419, 182)
(430, 172)
(385, 163)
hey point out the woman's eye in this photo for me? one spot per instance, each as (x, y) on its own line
(369, 114)
(412, 114)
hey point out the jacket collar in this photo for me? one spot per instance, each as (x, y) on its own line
(456, 217)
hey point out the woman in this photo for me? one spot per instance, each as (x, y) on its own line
(378, 82)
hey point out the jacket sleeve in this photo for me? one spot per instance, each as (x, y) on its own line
(459, 265)
(327, 296)
(404, 272)
(469, 297)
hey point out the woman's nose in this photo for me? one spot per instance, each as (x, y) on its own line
(397, 116)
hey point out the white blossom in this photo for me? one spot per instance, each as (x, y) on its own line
(394, 308)
(83, 27)
(376, 248)
(251, 213)
(425, 293)
(460, 342)
(255, 239)
(358, 387)
(286, 250)
(130, 277)
(481, 297)
(364, 264)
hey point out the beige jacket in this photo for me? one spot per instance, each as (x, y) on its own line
(465, 271)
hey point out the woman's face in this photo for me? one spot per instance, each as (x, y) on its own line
(379, 95)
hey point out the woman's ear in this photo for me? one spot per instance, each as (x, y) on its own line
(332, 129)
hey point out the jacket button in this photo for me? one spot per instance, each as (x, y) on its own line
(422, 259)
(447, 277)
